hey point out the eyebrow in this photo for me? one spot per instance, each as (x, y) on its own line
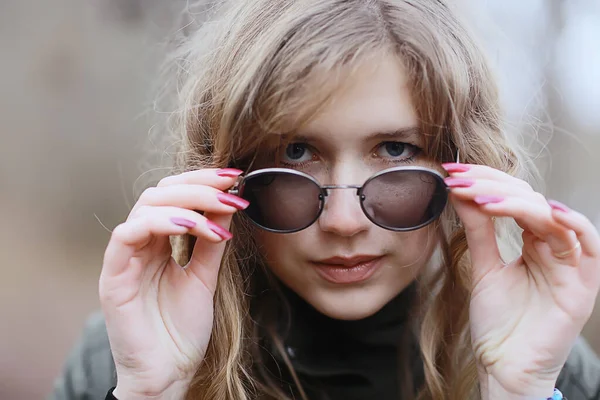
(402, 134)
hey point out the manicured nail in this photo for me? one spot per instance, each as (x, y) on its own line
(556, 205)
(459, 182)
(455, 167)
(229, 172)
(183, 222)
(223, 233)
(232, 201)
(488, 199)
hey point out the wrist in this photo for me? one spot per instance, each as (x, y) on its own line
(491, 389)
(129, 391)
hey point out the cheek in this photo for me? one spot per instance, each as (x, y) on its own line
(277, 249)
(417, 247)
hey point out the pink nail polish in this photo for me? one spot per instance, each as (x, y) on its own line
(229, 172)
(223, 233)
(183, 222)
(454, 167)
(459, 182)
(556, 205)
(233, 201)
(488, 199)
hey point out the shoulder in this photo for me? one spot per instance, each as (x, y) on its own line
(580, 377)
(89, 369)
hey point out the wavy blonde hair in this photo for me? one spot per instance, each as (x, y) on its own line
(256, 67)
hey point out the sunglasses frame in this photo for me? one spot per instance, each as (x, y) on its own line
(324, 192)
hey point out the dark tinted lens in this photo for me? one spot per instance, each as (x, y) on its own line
(282, 201)
(403, 200)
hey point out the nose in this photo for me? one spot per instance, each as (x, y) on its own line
(342, 214)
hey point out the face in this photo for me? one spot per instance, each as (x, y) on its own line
(344, 265)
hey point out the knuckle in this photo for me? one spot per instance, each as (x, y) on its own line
(142, 210)
(144, 223)
(148, 195)
(166, 181)
(120, 233)
(538, 197)
(524, 185)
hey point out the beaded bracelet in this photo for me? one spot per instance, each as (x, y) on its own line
(557, 395)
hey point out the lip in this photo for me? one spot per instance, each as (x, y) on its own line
(347, 270)
(347, 261)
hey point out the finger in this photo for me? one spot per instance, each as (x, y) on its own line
(133, 235)
(193, 197)
(586, 232)
(218, 178)
(481, 237)
(484, 191)
(532, 216)
(535, 254)
(529, 253)
(475, 171)
(198, 225)
(481, 231)
(206, 258)
(469, 188)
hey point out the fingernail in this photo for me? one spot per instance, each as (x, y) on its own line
(229, 172)
(488, 199)
(556, 205)
(223, 233)
(232, 201)
(183, 222)
(455, 167)
(459, 183)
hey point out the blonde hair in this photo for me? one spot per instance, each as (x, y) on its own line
(262, 66)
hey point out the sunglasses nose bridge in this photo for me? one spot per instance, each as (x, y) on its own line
(326, 188)
(341, 213)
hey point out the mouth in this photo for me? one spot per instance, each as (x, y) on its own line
(347, 270)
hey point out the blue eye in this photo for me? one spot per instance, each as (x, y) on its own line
(297, 152)
(394, 149)
(397, 150)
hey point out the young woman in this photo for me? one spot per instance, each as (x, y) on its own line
(342, 167)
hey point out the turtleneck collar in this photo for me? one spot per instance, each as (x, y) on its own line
(379, 329)
(348, 359)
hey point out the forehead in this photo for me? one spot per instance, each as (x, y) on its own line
(375, 98)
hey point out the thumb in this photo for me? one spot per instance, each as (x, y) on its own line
(206, 258)
(481, 237)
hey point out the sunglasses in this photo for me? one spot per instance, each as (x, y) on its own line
(399, 199)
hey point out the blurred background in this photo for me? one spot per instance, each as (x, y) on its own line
(76, 86)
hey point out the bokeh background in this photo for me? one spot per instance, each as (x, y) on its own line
(77, 80)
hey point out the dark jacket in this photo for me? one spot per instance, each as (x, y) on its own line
(89, 371)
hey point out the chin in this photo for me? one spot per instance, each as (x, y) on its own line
(349, 304)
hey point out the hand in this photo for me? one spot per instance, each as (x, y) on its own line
(524, 315)
(158, 314)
